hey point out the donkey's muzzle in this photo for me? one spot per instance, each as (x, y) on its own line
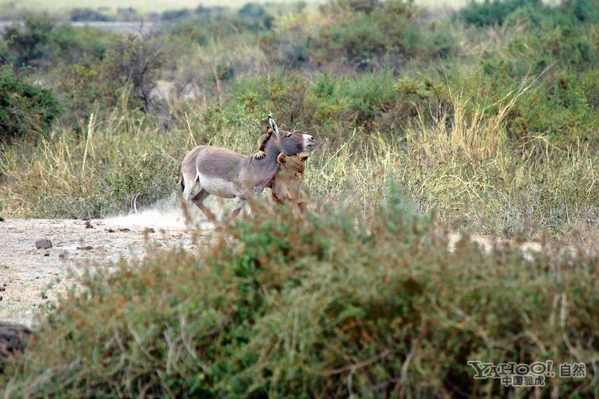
(309, 142)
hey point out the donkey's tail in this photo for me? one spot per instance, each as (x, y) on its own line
(182, 183)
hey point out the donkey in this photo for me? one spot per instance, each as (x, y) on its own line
(227, 174)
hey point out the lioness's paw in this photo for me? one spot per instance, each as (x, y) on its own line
(260, 155)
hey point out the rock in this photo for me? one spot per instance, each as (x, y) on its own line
(88, 225)
(43, 244)
(12, 339)
(2, 219)
(86, 248)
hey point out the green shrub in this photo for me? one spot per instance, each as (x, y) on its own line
(210, 13)
(88, 14)
(173, 15)
(26, 110)
(191, 31)
(135, 62)
(128, 69)
(332, 305)
(584, 11)
(42, 42)
(255, 17)
(363, 37)
(30, 44)
(290, 49)
(335, 106)
(494, 12)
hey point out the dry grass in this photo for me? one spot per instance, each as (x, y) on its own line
(466, 171)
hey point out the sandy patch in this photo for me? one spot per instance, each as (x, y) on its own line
(31, 277)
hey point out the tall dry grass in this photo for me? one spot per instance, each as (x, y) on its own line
(462, 168)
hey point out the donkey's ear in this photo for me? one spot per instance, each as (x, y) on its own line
(303, 157)
(273, 126)
(282, 158)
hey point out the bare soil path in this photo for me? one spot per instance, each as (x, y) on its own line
(30, 277)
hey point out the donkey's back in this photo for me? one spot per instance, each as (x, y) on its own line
(218, 170)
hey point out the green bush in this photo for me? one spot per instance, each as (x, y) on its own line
(173, 15)
(88, 14)
(30, 44)
(128, 70)
(210, 13)
(26, 110)
(134, 62)
(336, 304)
(191, 31)
(494, 12)
(255, 17)
(362, 36)
(42, 42)
(337, 105)
(583, 11)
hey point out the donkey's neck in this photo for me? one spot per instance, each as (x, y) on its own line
(272, 150)
(266, 168)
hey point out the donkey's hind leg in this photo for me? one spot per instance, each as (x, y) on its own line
(198, 199)
(188, 183)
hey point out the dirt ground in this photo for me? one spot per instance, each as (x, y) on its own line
(31, 277)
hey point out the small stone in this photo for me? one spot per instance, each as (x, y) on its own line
(44, 296)
(2, 219)
(47, 254)
(86, 248)
(12, 339)
(43, 244)
(88, 225)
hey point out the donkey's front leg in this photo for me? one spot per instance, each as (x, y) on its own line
(240, 204)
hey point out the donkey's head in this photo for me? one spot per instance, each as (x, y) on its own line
(290, 143)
